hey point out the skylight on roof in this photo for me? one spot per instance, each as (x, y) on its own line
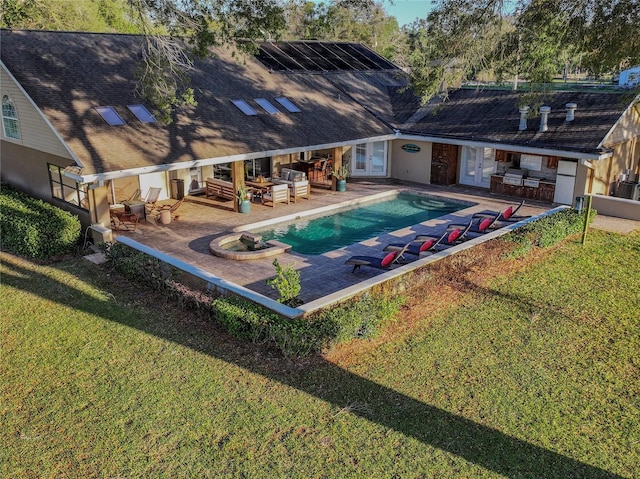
(244, 107)
(142, 113)
(268, 107)
(285, 102)
(110, 115)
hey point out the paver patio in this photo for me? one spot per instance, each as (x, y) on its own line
(187, 238)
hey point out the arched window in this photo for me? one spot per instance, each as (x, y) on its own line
(10, 119)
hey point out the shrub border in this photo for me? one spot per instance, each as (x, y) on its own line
(359, 316)
(33, 228)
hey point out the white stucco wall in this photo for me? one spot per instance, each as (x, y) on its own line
(411, 166)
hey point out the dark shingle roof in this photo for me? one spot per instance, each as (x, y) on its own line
(68, 74)
(386, 94)
(487, 116)
(493, 116)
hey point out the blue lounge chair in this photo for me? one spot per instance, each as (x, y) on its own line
(507, 216)
(481, 224)
(423, 245)
(376, 262)
(454, 235)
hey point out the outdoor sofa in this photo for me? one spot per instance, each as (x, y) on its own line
(288, 176)
(220, 189)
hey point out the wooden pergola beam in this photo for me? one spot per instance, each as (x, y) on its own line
(337, 163)
(237, 178)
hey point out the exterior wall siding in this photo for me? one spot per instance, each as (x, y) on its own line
(35, 133)
(26, 169)
(627, 127)
(606, 174)
(411, 166)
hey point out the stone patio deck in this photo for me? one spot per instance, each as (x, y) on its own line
(187, 238)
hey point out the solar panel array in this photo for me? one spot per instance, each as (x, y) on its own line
(321, 57)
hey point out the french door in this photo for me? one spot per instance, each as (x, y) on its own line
(370, 159)
(477, 165)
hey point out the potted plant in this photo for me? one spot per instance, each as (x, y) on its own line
(341, 175)
(244, 199)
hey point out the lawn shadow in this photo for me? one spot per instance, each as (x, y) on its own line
(481, 445)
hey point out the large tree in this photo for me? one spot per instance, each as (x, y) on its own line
(532, 38)
(177, 30)
(199, 24)
(358, 21)
(76, 15)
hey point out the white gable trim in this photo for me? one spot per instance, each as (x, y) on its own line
(42, 115)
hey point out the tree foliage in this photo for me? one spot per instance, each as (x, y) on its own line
(536, 39)
(454, 43)
(76, 15)
(359, 21)
(176, 31)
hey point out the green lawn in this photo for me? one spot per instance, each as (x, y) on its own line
(536, 375)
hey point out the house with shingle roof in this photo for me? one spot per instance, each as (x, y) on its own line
(75, 132)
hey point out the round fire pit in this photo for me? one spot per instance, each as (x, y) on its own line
(246, 246)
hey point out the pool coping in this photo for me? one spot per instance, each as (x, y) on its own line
(221, 285)
(255, 227)
(313, 212)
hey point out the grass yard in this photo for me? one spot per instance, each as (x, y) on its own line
(518, 368)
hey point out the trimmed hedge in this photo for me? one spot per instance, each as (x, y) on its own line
(35, 229)
(549, 230)
(358, 318)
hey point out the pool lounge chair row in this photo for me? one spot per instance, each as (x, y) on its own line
(480, 224)
(419, 245)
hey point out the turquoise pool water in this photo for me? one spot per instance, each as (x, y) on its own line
(326, 233)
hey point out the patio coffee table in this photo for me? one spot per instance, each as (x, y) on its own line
(259, 187)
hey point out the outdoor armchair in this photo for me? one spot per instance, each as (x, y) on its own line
(277, 194)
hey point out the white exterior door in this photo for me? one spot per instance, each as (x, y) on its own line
(370, 159)
(477, 165)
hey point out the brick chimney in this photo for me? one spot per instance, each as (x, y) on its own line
(544, 117)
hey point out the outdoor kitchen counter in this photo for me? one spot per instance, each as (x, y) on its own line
(543, 192)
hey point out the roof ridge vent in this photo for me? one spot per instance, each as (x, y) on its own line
(544, 117)
(571, 111)
(524, 111)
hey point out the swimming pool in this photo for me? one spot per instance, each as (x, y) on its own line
(326, 233)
